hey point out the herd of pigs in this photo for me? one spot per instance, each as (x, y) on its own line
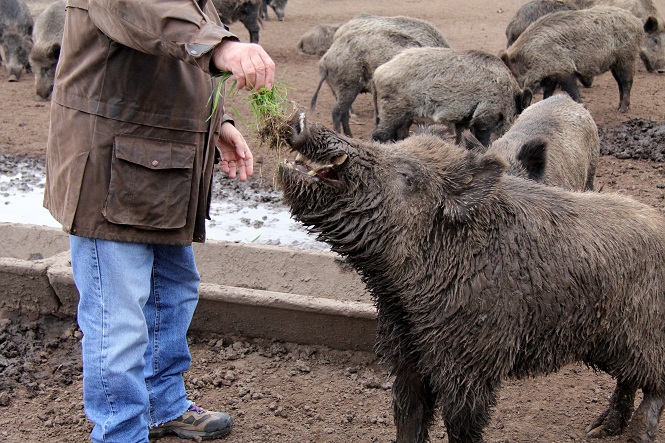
(479, 235)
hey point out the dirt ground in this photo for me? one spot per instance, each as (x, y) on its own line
(283, 392)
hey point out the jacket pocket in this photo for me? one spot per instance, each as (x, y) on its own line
(151, 183)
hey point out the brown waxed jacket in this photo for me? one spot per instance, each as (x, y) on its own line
(131, 144)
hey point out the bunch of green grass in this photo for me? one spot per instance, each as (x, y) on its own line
(270, 108)
(272, 113)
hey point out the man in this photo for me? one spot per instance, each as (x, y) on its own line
(130, 159)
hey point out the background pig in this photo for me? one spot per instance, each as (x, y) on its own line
(465, 88)
(479, 276)
(652, 50)
(554, 141)
(245, 11)
(530, 12)
(349, 63)
(47, 38)
(278, 6)
(15, 37)
(562, 47)
(317, 40)
(422, 31)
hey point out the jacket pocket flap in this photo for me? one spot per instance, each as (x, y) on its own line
(154, 153)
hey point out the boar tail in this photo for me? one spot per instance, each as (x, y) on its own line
(324, 74)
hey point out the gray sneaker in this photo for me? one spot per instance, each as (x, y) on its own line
(196, 423)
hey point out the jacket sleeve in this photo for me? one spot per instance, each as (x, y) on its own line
(176, 29)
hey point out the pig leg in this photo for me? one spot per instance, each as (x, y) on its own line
(413, 405)
(616, 417)
(465, 423)
(644, 425)
(341, 111)
(624, 78)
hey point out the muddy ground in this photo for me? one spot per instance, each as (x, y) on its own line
(283, 392)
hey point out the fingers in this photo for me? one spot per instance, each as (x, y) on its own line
(248, 62)
(240, 168)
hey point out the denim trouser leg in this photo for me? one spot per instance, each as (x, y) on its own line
(136, 303)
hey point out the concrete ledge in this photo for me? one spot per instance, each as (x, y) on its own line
(279, 293)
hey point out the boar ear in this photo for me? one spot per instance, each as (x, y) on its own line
(475, 185)
(532, 156)
(471, 143)
(651, 25)
(54, 52)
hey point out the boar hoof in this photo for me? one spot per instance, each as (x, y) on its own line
(609, 423)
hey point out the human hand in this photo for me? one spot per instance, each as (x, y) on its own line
(236, 156)
(248, 62)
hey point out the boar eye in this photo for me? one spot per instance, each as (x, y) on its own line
(407, 178)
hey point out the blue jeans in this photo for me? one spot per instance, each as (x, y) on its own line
(136, 304)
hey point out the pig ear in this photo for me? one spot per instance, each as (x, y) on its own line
(477, 184)
(532, 156)
(54, 52)
(651, 25)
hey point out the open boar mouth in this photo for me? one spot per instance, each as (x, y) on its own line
(326, 172)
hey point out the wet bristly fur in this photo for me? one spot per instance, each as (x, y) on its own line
(563, 47)
(479, 276)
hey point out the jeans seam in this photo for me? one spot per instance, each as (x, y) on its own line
(102, 353)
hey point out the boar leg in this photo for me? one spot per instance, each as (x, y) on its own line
(624, 78)
(644, 425)
(465, 424)
(616, 417)
(341, 111)
(413, 405)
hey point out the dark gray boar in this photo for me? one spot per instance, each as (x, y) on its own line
(421, 30)
(245, 11)
(554, 141)
(45, 52)
(317, 40)
(479, 276)
(278, 6)
(15, 37)
(562, 47)
(349, 63)
(465, 88)
(529, 13)
(652, 50)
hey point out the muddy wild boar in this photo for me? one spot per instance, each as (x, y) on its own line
(45, 52)
(652, 50)
(566, 46)
(245, 11)
(278, 6)
(349, 63)
(423, 31)
(479, 276)
(554, 141)
(15, 37)
(317, 40)
(529, 13)
(465, 88)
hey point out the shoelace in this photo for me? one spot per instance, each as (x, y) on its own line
(196, 409)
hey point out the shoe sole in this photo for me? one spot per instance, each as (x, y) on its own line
(189, 435)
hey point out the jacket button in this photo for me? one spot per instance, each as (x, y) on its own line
(155, 163)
